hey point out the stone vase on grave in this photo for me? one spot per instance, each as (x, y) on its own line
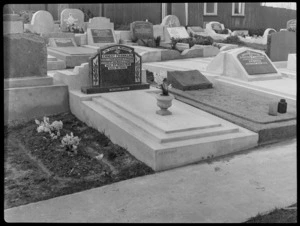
(164, 102)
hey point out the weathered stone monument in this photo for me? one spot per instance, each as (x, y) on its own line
(244, 64)
(18, 48)
(281, 45)
(188, 80)
(115, 68)
(142, 32)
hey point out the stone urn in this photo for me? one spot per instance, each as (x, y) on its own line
(164, 102)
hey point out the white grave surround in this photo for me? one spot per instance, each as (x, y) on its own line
(288, 68)
(175, 32)
(227, 64)
(100, 23)
(91, 42)
(187, 136)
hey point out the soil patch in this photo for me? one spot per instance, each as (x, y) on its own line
(38, 168)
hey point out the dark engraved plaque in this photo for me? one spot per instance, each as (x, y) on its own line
(117, 65)
(256, 63)
(64, 42)
(115, 68)
(102, 35)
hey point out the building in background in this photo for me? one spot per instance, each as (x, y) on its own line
(235, 15)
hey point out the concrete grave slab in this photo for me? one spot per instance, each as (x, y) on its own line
(244, 64)
(47, 36)
(188, 80)
(208, 50)
(288, 68)
(71, 16)
(243, 107)
(162, 142)
(55, 64)
(73, 56)
(62, 42)
(42, 22)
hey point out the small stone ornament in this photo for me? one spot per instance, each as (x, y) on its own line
(282, 106)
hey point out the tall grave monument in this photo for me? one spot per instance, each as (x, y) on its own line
(115, 68)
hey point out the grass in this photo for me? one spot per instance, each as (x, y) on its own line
(283, 215)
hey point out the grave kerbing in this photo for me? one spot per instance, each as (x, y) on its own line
(115, 68)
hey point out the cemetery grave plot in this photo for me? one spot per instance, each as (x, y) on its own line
(38, 168)
(246, 108)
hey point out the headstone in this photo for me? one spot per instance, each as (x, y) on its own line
(158, 30)
(101, 37)
(188, 80)
(100, 23)
(215, 26)
(25, 55)
(12, 24)
(255, 63)
(42, 22)
(62, 42)
(291, 24)
(244, 64)
(282, 44)
(141, 30)
(171, 21)
(175, 32)
(69, 17)
(115, 68)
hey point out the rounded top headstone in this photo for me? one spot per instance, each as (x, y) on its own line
(71, 16)
(171, 21)
(42, 22)
(269, 31)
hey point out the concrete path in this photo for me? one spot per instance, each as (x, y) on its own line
(229, 189)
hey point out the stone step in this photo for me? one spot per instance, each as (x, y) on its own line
(156, 133)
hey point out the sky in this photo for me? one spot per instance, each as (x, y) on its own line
(288, 5)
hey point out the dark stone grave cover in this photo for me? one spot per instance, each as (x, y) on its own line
(115, 68)
(188, 80)
(141, 30)
(102, 35)
(256, 63)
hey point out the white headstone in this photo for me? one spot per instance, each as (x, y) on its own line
(170, 21)
(71, 16)
(244, 64)
(214, 25)
(176, 32)
(42, 22)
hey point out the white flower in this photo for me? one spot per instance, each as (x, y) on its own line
(99, 157)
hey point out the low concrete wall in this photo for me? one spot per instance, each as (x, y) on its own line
(24, 104)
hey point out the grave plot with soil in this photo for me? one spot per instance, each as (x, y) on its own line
(245, 108)
(39, 168)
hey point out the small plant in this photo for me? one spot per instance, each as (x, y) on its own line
(87, 14)
(26, 15)
(163, 84)
(53, 129)
(157, 40)
(74, 28)
(70, 143)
